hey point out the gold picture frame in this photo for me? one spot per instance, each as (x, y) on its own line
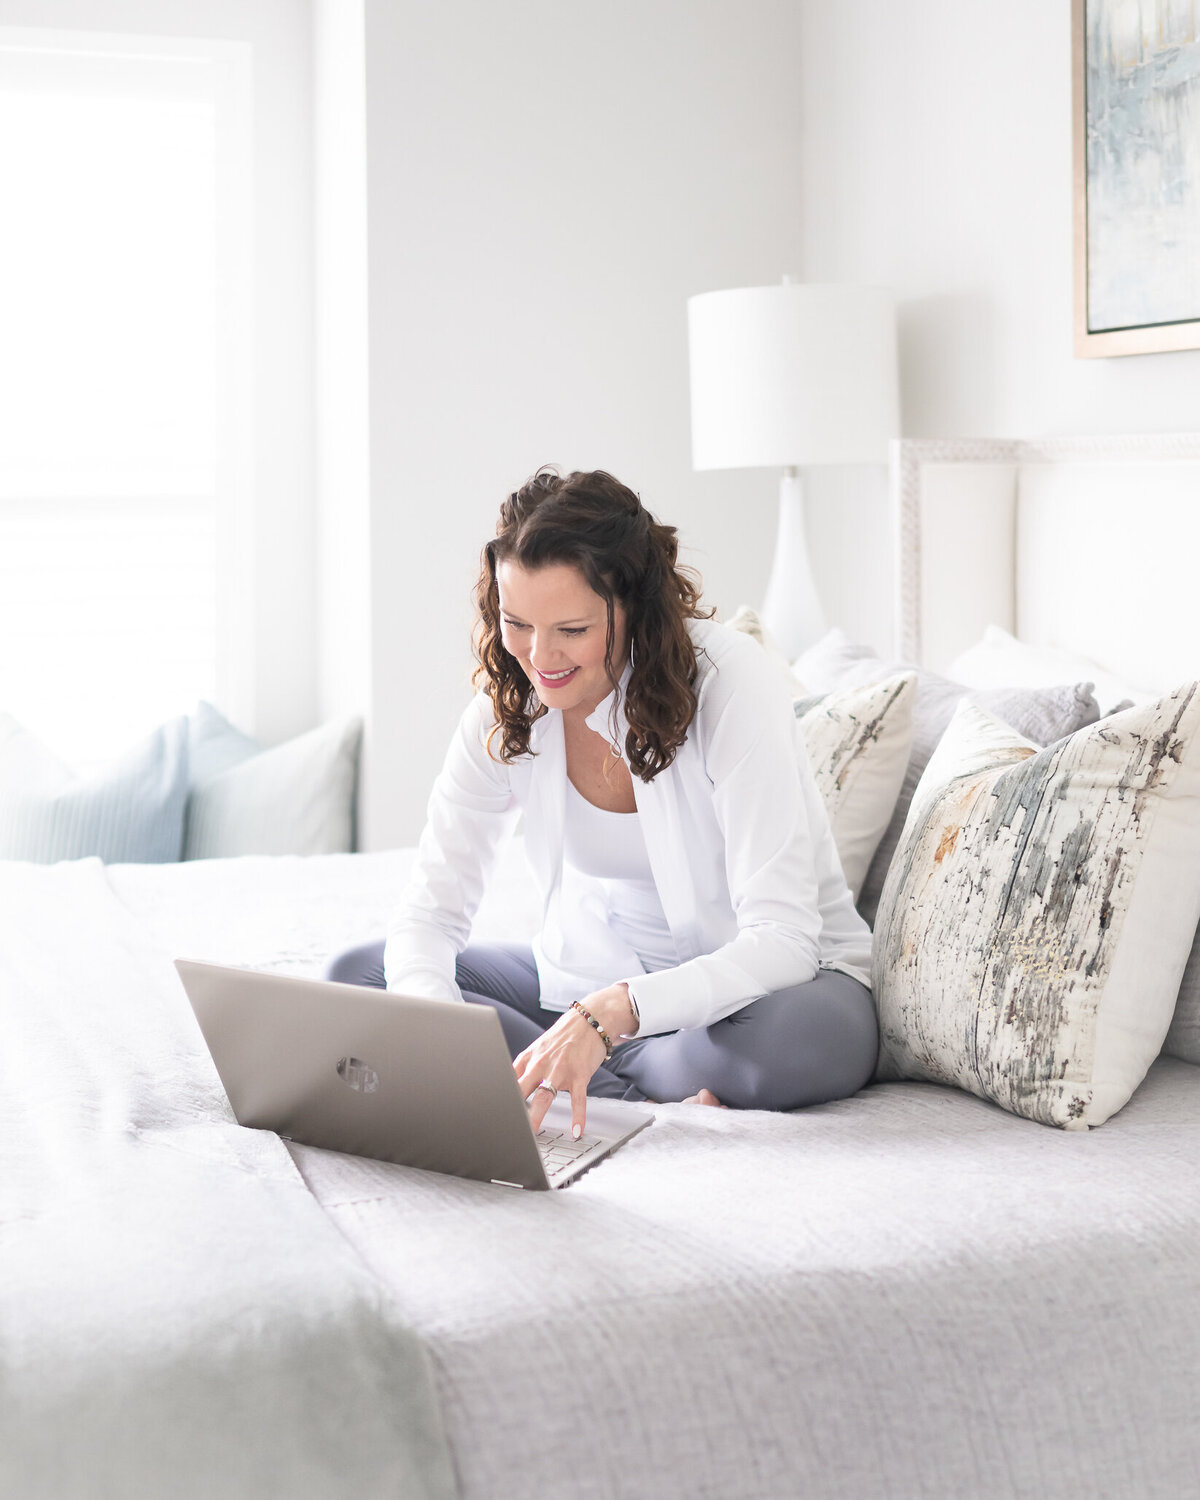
(1119, 327)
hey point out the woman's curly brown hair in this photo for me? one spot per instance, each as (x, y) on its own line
(593, 522)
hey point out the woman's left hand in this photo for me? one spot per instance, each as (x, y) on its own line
(567, 1054)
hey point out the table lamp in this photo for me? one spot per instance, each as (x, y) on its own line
(791, 375)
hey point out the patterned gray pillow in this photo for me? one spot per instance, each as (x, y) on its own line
(1043, 715)
(1183, 1039)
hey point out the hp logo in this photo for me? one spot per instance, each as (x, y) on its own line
(358, 1075)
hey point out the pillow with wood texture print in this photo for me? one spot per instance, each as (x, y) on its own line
(1040, 909)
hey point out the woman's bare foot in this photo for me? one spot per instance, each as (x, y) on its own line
(705, 1096)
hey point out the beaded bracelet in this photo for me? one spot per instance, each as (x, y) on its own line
(592, 1021)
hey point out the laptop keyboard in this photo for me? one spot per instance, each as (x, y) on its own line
(559, 1151)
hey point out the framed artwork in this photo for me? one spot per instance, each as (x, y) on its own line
(1136, 77)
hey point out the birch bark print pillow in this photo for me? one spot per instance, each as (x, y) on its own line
(1037, 917)
(858, 742)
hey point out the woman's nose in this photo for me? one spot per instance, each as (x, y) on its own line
(543, 654)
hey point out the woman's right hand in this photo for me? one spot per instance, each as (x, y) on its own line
(564, 1057)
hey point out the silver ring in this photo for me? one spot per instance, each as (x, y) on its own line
(548, 1086)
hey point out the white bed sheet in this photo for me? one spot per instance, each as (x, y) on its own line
(291, 914)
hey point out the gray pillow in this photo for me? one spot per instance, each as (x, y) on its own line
(1040, 714)
(1183, 1039)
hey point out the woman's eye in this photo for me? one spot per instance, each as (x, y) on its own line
(574, 630)
(512, 625)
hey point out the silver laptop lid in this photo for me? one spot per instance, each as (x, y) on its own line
(425, 1083)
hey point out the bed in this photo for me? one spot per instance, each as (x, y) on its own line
(913, 1292)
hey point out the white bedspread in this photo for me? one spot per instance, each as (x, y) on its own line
(910, 1293)
(905, 1294)
(177, 1317)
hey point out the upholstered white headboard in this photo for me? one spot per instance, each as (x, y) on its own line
(1088, 544)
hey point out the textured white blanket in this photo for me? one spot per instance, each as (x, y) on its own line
(177, 1316)
(905, 1294)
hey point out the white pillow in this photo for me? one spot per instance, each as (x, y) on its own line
(1001, 660)
(830, 661)
(859, 740)
(1038, 914)
(295, 798)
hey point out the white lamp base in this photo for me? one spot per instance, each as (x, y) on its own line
(792, 609)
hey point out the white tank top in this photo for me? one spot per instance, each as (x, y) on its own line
(610, 847)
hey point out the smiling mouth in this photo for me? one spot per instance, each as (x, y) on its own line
(556, 679)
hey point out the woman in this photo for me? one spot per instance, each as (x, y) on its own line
(698, 940)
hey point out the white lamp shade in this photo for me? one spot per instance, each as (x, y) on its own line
(793, 374)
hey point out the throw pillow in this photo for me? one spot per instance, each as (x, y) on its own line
(827, 662)
(1183, 1039)
(858, 742)
(295, 798)
(130, 812)
(216, 744)
(1038, 915)
(1041, 714)
(999, 659)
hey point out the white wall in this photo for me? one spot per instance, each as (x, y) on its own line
(547, 184)
(937, 160)
(342, 431)
(343, 488)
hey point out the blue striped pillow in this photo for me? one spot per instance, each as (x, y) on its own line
(131, 812)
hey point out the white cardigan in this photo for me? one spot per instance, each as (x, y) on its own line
(739, 846)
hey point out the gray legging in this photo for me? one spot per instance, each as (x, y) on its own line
(804, 1045)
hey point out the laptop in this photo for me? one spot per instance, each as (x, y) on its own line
(425, 1083)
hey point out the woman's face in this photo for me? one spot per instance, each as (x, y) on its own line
(555, 626)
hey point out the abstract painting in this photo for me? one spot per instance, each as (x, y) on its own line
(1137, 175)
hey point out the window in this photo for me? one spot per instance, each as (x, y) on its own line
(125, 291)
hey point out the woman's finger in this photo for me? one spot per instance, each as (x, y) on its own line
(565, 1057)
(539, 1102)
(530, 1070)
(578, 1107)
(528, 1084)
(530, 1074)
